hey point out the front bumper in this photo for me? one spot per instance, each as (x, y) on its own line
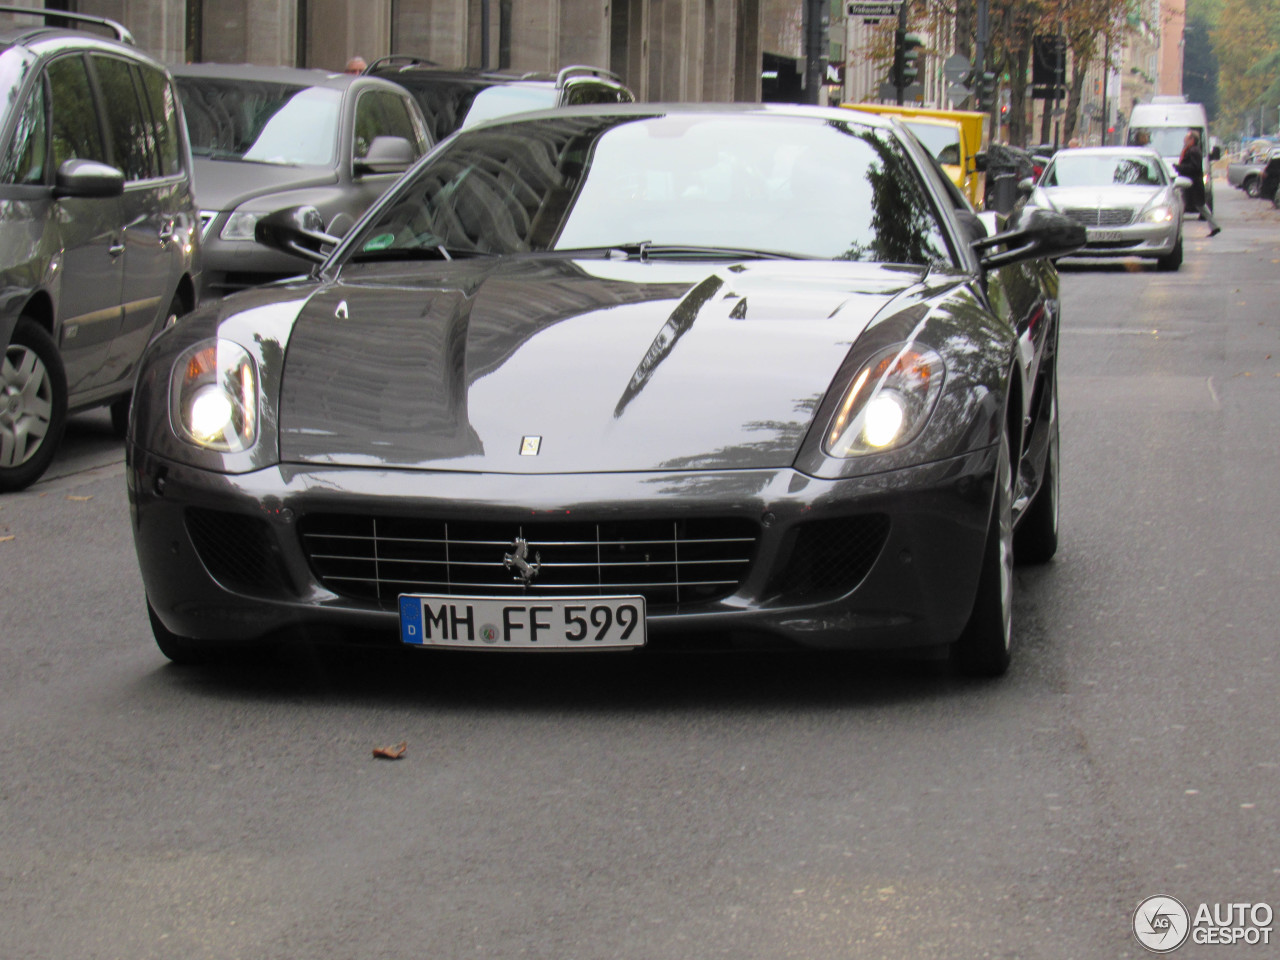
(916, 588)
(1135, 240)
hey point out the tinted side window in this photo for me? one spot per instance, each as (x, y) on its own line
(132, 137)
(75, 120)
(24, 161)
(586, 91)
(382, 114)
(164, 115)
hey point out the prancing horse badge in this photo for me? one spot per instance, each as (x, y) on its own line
(529, 446)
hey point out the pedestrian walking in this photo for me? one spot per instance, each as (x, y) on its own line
(1191, 166)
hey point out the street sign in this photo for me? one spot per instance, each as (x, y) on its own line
(958, 92)
(873, 8)
(955, 68)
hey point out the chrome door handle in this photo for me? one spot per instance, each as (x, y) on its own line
(116, 248)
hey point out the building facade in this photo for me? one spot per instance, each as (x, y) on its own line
(679, 50)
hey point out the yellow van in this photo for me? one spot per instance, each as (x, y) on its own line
(958, 138)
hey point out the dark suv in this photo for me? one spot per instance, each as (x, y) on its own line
(99, 230)
(452, 99)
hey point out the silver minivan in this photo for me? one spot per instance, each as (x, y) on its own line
(99, 229)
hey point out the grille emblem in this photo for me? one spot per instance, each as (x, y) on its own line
(517, 561)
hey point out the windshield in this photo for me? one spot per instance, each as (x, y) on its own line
(261, 121)
(502, 101)
(943, 141)
(1166, 141)
(1102, 170)
(797, 186)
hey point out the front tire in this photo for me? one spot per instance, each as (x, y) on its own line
(33, 405)
(1173, 260)
(1252, 188)
(983, 647)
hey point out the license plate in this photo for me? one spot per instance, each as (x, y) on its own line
(1103, 236)
(530, 623)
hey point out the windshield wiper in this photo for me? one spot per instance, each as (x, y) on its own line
(648, 250)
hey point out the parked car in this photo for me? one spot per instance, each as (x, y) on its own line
(1246, 173)
(99, 229)
(617, 376)
(1123, 196)
(455, 98)
(269, 137)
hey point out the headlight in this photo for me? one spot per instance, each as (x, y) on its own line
(888, 402)
(1161, 213)
(240, 225)
(213, 396)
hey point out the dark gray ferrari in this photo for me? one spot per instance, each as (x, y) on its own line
(618, 377)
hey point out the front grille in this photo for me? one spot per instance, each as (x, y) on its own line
(828, 558)
(1100, 216)
(669, 562)
(239, 551)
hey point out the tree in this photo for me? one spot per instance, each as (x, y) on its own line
(1247, 45)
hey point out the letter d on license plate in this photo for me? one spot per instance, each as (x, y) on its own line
(531, 623)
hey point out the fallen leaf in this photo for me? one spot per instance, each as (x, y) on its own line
(391, 753)
(80, 499)
(6, 539)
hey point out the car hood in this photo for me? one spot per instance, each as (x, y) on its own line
(1075, 198)
(611, 366)
(225, 184)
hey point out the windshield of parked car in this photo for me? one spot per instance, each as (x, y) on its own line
(261, 121)
(502, 101)
(779, 184)
(1166, 141)
(942, 140)
(1098, 170)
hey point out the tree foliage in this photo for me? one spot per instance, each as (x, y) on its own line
(1247, 44)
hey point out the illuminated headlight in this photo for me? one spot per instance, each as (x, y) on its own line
(240, 225)
(1158, 214)
(213, 396)
(888, 402)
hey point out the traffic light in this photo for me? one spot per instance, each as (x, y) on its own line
(911, 44)
(906, 65)
(986, 89)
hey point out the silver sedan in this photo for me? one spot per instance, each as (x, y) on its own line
(1125, 197)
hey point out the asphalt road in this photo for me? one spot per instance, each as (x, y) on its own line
(699, 806)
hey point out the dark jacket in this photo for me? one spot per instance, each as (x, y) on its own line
(1191, 166)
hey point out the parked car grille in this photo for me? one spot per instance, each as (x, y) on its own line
(669, 562)
(1100, 216)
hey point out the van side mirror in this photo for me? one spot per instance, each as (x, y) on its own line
(1215, 153)
(87, 179)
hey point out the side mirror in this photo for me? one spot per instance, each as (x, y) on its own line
(1181, 183)
(1026, 186)
(1041, 233)
(980, 162)
(386, 155)
(1215, 153)
(295, 230)
(87, 179)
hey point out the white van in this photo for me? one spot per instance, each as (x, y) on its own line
(1163, 124)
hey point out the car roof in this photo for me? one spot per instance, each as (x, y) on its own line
(297, 76)
(647, 109)
(401, 65)
(1111, 151)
